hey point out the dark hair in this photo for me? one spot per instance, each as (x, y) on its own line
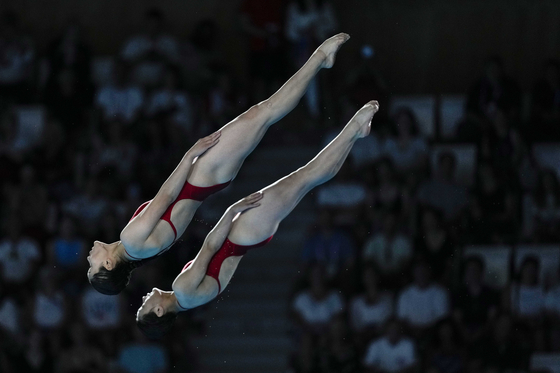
(406, 111)
(114, 281)
(528, 260)
(155, 327)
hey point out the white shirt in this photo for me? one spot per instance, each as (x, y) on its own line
(341, 194)
(139, 45)
(363, 314)
(388, 256)
(321, 19)
(49, 312)
(422, 307)
(17, 259)
(318, 311)
(391, 358)
(404, 158)
(120, 102)
(527, 300)
(100, 310)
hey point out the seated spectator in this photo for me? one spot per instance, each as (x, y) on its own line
(501, 349)
(49, 312)
(87, 208)
(141, 356)
(10, 315)
(543, 215)
(315, 307)
(370, 310)
(388, 194)
(115, 151)
(37, 356)
(525, 299)
(423, 303)
(330, 247)
(151, 52)
(493, 89)
(475, 305)
(80, 355)
(120, 100)
(408, 151)
(434, 244)
(19, 255)
(448, 355)
(441, 191)
(545, 114)
(99, 311)
(498, 202)
(389, 250)
(475, 230)
(18, 56)
(67, 251)
(169, 99)
(339, 355)
(391, 353)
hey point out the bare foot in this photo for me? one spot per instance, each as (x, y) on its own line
(363, 118)
(330, 47)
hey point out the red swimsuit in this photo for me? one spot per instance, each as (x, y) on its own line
(189, 191)
(227, 249)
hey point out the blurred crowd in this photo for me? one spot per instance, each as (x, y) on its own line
(85, 139)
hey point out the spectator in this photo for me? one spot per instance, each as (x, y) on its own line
(543, 212)
(388, 194)
(498, 202)
(389, 250)
(79, 355)
(66, 251)
(10, 315)
(88, 208)
(120, 100)
(141, 356)
(423, 303)
(525, 299)
(441, 191)
(19, 255)
(339, 354)
(18, 56)
(263, 25)
(448, 355)
(408, 151)
(151, 52)
(170, 99)
(99, 311)
(475, 305)
(392, 352)
(501, 350)
(494, 89)
(330, 247)
(545, 114)
(37, 358)
(50, 304)
(434, 244)
(306, 359)
(315, 307)
(309, 22)
(118, 152)
(369, 311)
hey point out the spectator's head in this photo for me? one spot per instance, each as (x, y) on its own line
(502, 328)
(552, 72)
(109, 270)
(431, 219)
(393, 331)
(317, 280)
(447, 165)
(153, 19)
(421, 274)
(157, 314)
(447, 334)
(474, 271)
(325, 221)
(370, 279)
(501, 122)
(385, 171)
(529, 271)
(494, 69)
(406, 123)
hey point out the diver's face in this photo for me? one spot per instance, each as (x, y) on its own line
(98, 257)
(151, 302)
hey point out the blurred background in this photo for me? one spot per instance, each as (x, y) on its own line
(435, 249)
